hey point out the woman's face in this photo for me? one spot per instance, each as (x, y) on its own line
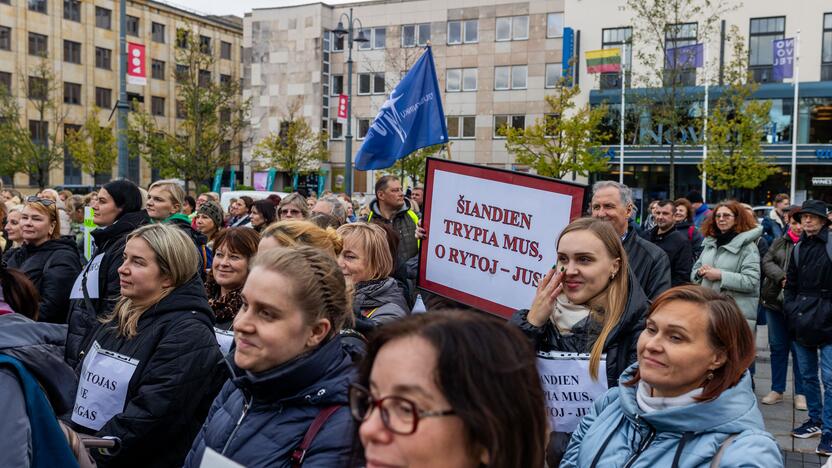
(291, 211)
(104, 209)
(35, 227)
(795, 227)
(229, 268)
(257, 219)
(353, 261)
(588, 267)
(6, 195)
(12, 227)
(205, 225)
(139, 275)
(187, 209)
(725, 219)
(680, 214)
(270, 328)
(238, 208)
(310, 202)
(675, 354)
(160, 206)
(438, 441)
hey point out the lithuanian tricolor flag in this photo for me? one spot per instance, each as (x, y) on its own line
(603, 61)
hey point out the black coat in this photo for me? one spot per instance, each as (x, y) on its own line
(648, 263)
(807, 299)
(52, 267)
(693, 236)
(774, 271)
(620, 346)
(180, 371)
(109, 241)
(678, 250)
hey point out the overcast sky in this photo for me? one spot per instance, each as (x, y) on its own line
(240, 7)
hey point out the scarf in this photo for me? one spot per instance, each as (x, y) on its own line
(649, 403)
(566, 314)
(224, 307)
(725, 237)
(794, 237)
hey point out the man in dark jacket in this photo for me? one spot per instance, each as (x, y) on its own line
(614, 202)
(673, 242)
(391, 207)
(807, 303)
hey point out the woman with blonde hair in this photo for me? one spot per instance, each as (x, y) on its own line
(293, 206)
(50, 262)
(165, 199)
(367, 264)
(151, 369)
(589, 302)
(293, 233)
(12, 230)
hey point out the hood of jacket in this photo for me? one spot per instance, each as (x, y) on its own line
(124, 225)
(739, 241)
(178, 217)
(376, 293)
(377, 211)
(320, 377)
(40, 347)
(190, 297)
(734, 411)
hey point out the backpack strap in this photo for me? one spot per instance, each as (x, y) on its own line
(718, 456)
(300, 453)
(796, 253)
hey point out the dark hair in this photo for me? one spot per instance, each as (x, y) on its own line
(664, 202)
(381, 184)
(189, 200)
(19, 292)
(274, 198)
(248, 201)
(728, 331)
(744, 219)
(267, 210)
(126, 195)
(325, 220)
(487, 371)
(241, 240)
(695, 197)
(688, 208)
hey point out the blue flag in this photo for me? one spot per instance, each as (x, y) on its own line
(783, 52)
(689, 56)
(411, 118)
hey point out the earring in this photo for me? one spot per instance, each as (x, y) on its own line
(612, 276)
(710, 376)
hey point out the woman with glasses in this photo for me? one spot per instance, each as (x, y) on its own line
(51, 262)
(730, 260)
(450, 388)
(288, 369)
(293, 206)
(263, 213)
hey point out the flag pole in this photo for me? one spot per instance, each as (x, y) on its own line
(705, 126)
(621, 136)
(796, 82)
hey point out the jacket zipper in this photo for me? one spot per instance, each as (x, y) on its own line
(642, 446)
(246, 406)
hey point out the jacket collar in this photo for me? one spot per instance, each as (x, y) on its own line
(377, 211)
(127, 223)
(738, 242)
(776, 218)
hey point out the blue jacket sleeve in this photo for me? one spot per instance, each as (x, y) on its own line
(571, 457)
(751, 449)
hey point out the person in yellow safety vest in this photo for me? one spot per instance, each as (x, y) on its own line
(391, 207)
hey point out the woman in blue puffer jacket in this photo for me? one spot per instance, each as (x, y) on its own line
(688, 401)
(288, 366)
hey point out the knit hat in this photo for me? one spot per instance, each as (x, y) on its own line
(125, 194)
(212, 210)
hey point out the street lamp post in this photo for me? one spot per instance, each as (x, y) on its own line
(350, 32)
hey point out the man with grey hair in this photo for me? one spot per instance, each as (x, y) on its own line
(614, 202)
(331, 205)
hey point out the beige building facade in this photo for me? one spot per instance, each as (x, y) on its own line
(81, 42)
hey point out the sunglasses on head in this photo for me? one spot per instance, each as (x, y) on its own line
(42, 201)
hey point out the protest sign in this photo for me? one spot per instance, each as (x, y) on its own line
(90, 270)
(225, 338)
(89, 227)
(568, 389)
(212, 459)
(492, 233)
(102, 387)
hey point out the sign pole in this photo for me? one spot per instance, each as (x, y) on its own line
(705, 127)
(123, 106)
(796, 83)
(623, 112)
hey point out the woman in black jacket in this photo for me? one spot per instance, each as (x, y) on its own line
(47, 259)
(117, 213)
(151, 370)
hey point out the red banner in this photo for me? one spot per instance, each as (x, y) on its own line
(342, 107)
(136, 64)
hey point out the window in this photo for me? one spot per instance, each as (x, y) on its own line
(461, 79)
(103, 58)
(38, 88)
(554, 73)
(180, 110)
(72, 171)
(6, 81)
(415, 34)
(182, 36)
(371, 83)
(39, 131)
(157, 106)
(72, 10)
(826, 50)
(337, 42)
(205, 44)
(503, 121)
(38, 44)
(337, 87)
(157, 32)
(760, 50)
(225, 80)
(103, 98)
(376, 38)
(72, 52)
(204, 78)
(182, 73)
(337, 131)
(225, 115)
(132, 26)
(5, 38)
(363, 128)
(680, 35)
(512, 28)
(225, 50)
(157, 69)
(103, 18)
(554, 25)
(514, 77)
(72, 93)
(461, 126)
(463, 31)
(38, 5)
(615, 38)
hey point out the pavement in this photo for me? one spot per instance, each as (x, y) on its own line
(781, 418)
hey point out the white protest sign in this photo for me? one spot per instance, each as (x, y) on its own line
(225, 338)
(102, 387)
(491, 233)
(568, 389)
(212, 459)
(91, 272)
(89, 227)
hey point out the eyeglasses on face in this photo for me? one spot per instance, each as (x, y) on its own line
(723, 215)
(398, 414)
(285, 212)
(42, 201)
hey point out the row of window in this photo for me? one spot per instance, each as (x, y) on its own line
(507, 28)
(459, 126)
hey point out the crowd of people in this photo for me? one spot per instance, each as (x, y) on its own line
(288, 332)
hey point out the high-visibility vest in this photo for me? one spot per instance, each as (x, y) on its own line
(413, 216)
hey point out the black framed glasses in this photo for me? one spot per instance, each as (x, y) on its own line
(42, 201)
(293, 212)
(398, 414)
